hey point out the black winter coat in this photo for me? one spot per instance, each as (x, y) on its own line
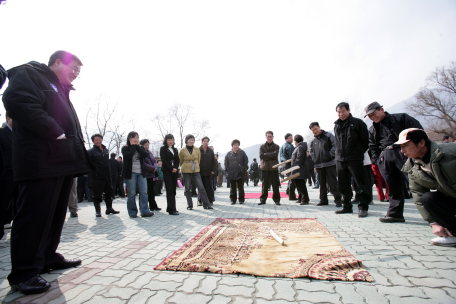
(128, 152)
(6, 145)
(2, 76)
(100, 159)
(395, 123)
(116, 167)
(299, 158)
(323, 150)
(208, 163)
(352, 139)
(255, 169)
(169, 161)
(233, 163)
(42, 111)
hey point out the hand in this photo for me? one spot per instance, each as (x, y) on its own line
(174, 170)
(212, 172)
(439, 230)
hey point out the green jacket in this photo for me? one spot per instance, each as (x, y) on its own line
(443, 166)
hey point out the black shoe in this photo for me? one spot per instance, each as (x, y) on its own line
(382, 200)
(277, 203)
(338, 204)
(133, 216)
(343, 211)
(322, 204)
(233, 203)
(208, 207)
(304, 203)
(174, 213)
(200, 204)
(156, 209)
(262, 203)
(65, 264)
(35, 284)
(388, 219)
(111, 211)
(148, 214)
(292, 199)
(98, 213)
(362, 213)
(241, 203)
(74, 214)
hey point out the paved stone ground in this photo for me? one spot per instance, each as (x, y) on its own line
(119, 255)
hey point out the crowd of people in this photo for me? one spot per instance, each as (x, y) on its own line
(45, 168)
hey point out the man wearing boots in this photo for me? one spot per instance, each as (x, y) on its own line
(352, 140)
(101, 177)
(383, 133)
(269, 152)
(323, 153)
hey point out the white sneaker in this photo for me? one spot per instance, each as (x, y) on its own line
(449, 241)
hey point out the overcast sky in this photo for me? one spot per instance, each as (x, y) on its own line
(246, 66)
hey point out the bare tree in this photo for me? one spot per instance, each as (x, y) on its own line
(308, 137)
(436, 101)
(356, 106)
(181, 120)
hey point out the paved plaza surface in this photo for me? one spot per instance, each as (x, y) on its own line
(119, 255)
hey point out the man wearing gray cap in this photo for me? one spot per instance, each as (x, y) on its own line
(383, 133)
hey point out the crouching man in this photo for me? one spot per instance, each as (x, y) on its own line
(431, 166)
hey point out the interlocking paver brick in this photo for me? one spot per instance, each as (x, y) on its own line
(401, 291)
(265, 289)
(314, 286)
(191, 283)
(219, 299)
(124, 293)
(70, 294)
(101, 300)
(432, 282)
(142, 296)
(234, 290)
(87, 294)
(160, 285)
(318, 296)
(196, 298)
(237, 280)
(160, 297)
(439, 295)
(284, 290)
(370, 293)
(348, 294)
(409, 300)
(171, 276)
(208, 285)
(241, 300)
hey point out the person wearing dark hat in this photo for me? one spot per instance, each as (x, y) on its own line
(430, 166)
(383, 133)
(255, 172)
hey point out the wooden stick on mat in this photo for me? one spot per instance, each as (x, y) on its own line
(278, 239)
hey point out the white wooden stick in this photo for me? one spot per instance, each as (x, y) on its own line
(289, 170)
(281, 164)
(274, 235)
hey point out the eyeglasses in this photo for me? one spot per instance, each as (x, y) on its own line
(75, 71)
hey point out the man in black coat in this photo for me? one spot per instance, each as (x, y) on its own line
(255, 172)
(299, 158)
(323, 153)
(101, 177)
(383, 133)
(48, 152)
(8, 187)
(351, 142)
(116, 170)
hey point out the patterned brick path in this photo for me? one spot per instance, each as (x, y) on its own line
(119, 255)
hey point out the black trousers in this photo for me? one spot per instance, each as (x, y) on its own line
(270, 177)
(214, 181)
(442, 208)
(120, 187)
(302, 189)
(256, 179)
(100, 186)
(114, 185)
(158, 186)
(170, 180)
(237, 184)
(151, 193)
(390, 168)
(246, 180)
(209, 187)
(346, 169)
(328, 175)
(37, 226)
(9, 192)
(312, 177)
(227, 183)
(369, 181)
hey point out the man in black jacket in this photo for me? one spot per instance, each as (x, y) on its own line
(208, 168)
(116, 170)
(255, 172)
(383, 133)
(48, 153)
(101, 177)
(351, 142)
(8, 187)
(269, 153)
(323, 153)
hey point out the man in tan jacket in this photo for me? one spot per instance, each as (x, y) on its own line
(269, 152)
